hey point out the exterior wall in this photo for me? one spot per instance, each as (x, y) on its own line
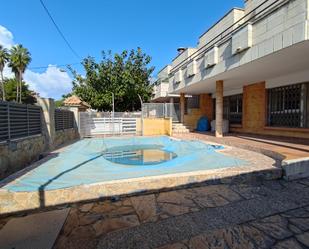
(206, 105)
(154, 126)
(223, 24)
(19, 153)
(184, 55)
(191, 119)
(254, 100)
(64, 136)
(254, 115)
(278, 29)
(164, 72)
(206, 109)
(161, 90)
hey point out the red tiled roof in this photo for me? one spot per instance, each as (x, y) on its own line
(75, 101)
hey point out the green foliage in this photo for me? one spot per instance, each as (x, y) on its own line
(127, 75)
(20, 58)
(10, 90)
(4, 58)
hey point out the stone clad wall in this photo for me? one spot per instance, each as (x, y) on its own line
(19, 153)
(15, 155)
(62, 137)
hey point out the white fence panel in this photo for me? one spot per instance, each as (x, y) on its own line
(92, 125)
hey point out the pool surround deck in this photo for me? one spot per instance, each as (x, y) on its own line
(259, 167)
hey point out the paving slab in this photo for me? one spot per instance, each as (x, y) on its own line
(35, 231)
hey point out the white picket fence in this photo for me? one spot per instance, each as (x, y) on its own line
(97, 124)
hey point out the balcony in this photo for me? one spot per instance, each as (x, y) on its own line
(242, 39)
(164, 72)
(160, 90)
(185, 55)
(211, 57)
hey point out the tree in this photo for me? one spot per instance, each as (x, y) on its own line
(4, 58)
(19, 60)
(127, 75)
(27, 96)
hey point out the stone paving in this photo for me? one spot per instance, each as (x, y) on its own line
(268, 214)
(287, 148)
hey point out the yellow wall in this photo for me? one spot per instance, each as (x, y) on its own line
(191, 119)
(155, 126)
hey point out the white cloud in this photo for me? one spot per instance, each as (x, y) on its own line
(50, 84)
(6, 37)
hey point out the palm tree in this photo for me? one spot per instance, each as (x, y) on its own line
(19, 60)
(4, 58)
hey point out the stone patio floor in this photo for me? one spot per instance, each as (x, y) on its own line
(267, 214)
(289, 148)
(270, 214)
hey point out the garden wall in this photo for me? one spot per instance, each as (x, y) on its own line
(18, 152)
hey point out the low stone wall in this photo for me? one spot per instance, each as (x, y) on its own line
(17, 154)
(64, 136)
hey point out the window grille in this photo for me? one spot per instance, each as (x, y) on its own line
(288, 106)
(232, 108)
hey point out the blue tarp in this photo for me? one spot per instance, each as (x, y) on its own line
(203, 124)
(83, 163)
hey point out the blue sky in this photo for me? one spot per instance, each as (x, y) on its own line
(158, 27)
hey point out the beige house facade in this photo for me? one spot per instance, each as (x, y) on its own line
(250, 68)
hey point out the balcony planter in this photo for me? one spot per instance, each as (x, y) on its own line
(191, 69)
(242, 39)
(211, 57)
(178, 77)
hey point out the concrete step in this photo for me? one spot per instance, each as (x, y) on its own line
(180, 128)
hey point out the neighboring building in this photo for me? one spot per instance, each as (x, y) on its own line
(75, 101)
(252, 68)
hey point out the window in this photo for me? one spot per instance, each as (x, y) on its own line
(232, 108)
(192, 102)
(288, 106)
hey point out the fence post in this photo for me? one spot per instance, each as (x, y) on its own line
(49, 130)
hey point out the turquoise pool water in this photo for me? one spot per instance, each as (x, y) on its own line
(138, 155)
(95, 160)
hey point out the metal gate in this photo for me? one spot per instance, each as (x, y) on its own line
(100, 123)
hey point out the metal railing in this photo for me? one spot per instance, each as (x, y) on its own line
(19, 120)
(255, 13)
(161, 110)
(64, 119)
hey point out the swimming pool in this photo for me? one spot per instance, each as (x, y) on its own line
(96, 160)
